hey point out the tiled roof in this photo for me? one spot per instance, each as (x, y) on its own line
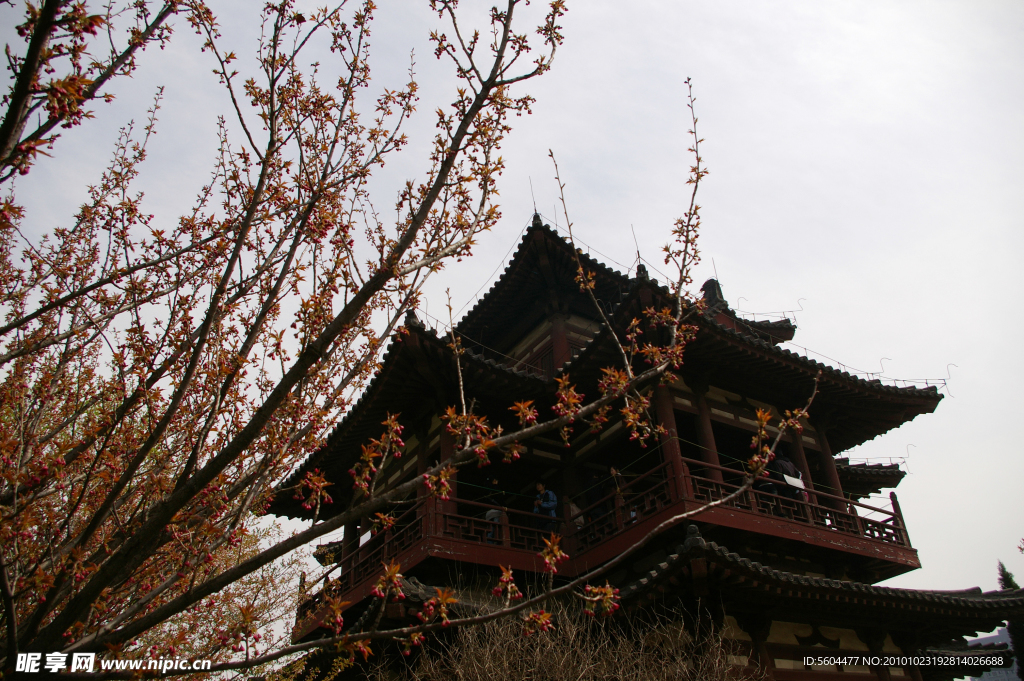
(1000, 604)
(378, 382)
(811, 366)
(814, 366)
(870, 469)
(629, 289)
(591, 264)
(863, 479)
(873, 385)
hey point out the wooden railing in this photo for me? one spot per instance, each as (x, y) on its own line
(365, 563)
(647, 496)
(435, 518)
(513, 529)
(383, 547)
(858, 519)
(631, 503)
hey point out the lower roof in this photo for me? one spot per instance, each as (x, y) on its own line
(864, 479)
(929, 617)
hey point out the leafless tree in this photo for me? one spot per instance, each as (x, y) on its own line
(154, 383)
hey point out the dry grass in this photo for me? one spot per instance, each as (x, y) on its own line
(579, 649)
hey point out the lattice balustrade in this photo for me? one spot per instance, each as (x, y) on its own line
(382, 548)
(643, 498)
(888, 530)
(883, 531)
(598, 526)
(526, 538)
(635, 502)
(705, 491)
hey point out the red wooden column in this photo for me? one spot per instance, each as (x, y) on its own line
(560, 350)
(899, 515)
(670, 440)
(422, 453)
(506, 536)
(422, 460)
(448, 445)
(349, 545)
(570, 491)
(570, 476)
(800, 459)
(828, 464)
(705, 434)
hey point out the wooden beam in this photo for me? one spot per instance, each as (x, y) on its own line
(705, 434)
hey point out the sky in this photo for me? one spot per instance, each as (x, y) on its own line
(866, 179)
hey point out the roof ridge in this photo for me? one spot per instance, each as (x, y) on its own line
(873, 384)
(524, 244)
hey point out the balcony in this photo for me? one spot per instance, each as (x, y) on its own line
(457, 529)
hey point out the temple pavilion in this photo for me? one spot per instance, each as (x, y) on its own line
(781, 577)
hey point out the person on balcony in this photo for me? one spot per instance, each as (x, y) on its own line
(783, 480)
(774, 482)
(545, 506)
(495, 497)
(789, 477)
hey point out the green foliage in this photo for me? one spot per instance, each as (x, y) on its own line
(1015, 628)
(1006, 580)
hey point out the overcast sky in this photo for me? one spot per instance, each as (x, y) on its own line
(867, 171)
